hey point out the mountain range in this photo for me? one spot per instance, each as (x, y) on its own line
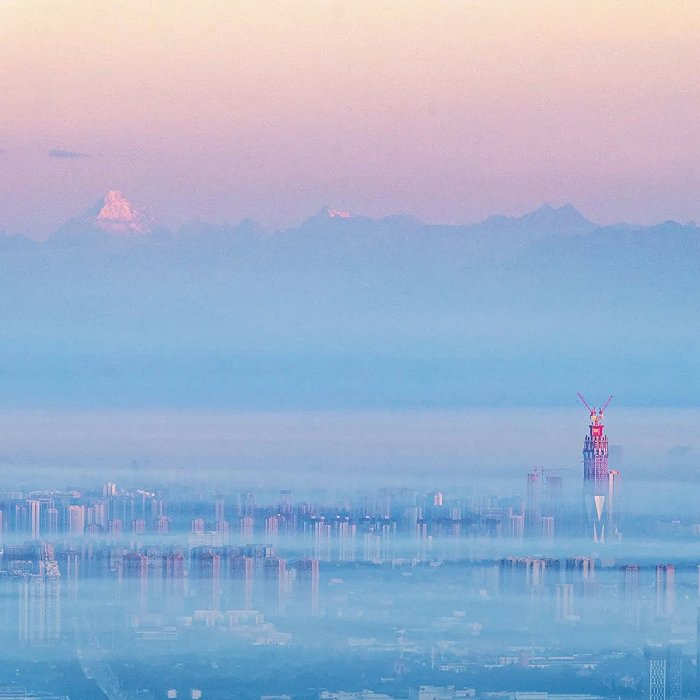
(349, 311)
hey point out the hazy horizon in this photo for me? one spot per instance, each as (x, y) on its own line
(369, 448)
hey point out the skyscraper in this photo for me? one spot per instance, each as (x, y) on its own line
(565, 602)
(35, 516)
(665, 673)
(308, 577)
(613, 517)
(76, 519)
(242, 573)
(533, 503)
(517, 527)
(547, 528)
(665, 590)
(595, 472)
(219, 510)
(630, 592)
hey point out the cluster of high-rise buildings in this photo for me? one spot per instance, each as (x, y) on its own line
(177, 559)
(542, 512)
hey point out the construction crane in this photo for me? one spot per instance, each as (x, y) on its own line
(595, 415)
(585, 403)
(605, 405)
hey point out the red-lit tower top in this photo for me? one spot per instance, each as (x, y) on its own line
(595, 448)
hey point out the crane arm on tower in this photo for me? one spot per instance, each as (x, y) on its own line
(583, 401)
(606, 404)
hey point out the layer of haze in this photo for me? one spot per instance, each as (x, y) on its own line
(349, 449)
(448, 110)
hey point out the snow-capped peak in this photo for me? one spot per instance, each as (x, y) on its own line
(338, 214)
(117, 215)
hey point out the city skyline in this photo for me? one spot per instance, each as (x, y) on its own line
(296, 299)
(253, 568)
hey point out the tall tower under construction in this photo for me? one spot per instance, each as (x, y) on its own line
(596, 480)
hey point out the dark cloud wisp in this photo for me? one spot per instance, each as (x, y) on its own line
(60, 153)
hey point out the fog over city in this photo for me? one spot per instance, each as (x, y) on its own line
(349, 350)
(348, 461)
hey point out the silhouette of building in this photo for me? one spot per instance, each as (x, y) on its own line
(595, 473)
(308, 576)
(664, 673)
(613, 518)
(630, 593)
(565, 602)
(241, 571)
(547, 528)
(665, 590)
(533, 503)
(35, 518)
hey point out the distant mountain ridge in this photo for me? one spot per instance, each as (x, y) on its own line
(115, 214)
(350, 311)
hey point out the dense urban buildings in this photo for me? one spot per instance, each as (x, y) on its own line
(436, 595)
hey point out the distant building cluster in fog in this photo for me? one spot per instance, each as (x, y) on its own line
(442, 596)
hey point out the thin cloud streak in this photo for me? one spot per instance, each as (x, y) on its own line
(60, 153)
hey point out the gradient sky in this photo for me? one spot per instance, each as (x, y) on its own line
(448, 110)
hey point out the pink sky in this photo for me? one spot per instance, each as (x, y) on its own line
(448, 110)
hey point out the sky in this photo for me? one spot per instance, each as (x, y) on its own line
(452, 111)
